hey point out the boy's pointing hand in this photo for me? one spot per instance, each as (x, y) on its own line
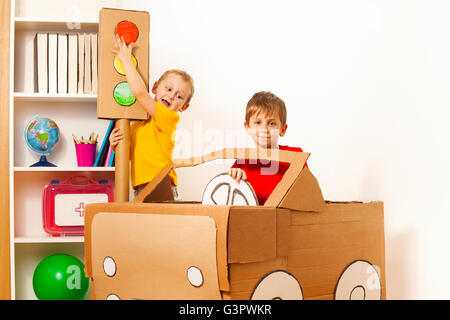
(121, 50)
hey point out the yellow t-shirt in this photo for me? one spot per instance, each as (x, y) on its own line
(152, 143)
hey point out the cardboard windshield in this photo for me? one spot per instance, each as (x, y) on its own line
(297, 190)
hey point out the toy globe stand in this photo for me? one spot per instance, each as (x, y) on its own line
(43, 162)
(41, 136)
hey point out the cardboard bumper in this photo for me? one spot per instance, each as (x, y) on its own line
(295, 246)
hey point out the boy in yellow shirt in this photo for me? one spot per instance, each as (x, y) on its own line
(153, 140)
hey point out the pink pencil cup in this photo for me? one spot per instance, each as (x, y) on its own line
(85, 154)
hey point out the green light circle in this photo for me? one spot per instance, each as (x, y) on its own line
(123, 94)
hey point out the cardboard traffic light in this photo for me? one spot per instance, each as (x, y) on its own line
(115, 99)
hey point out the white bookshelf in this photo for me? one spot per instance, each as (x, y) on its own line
(27, 96)
(63, 169)
(43, 24)
(73, 113)
(49, 239)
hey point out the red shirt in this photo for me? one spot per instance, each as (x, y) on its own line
(264, 175)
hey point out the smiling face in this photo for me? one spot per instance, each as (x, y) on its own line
(172, 92)
(265, 129)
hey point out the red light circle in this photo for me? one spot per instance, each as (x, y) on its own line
(128, 31)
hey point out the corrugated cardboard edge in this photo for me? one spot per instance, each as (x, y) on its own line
(220, 214)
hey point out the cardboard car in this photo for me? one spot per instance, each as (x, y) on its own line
(294, 246)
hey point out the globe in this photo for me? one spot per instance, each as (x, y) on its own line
(41, 136)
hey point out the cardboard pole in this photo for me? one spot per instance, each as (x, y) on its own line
(122, 174)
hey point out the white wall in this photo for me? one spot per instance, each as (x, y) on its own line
(71, 10)
(366, 84)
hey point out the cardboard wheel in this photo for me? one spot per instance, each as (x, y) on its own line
(359, 281)
(278, 285)
(224, 190)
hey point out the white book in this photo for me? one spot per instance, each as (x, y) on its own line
(81, 63)
(72, 79)
(94, 63)
(87, 64)
(62, 63)
(27, 65)
(42, 62)
(52, 63)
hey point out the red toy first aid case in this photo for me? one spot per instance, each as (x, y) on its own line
(63, 203)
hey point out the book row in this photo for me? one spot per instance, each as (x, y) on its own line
(66, 63)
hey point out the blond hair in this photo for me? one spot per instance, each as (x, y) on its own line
(186, 77)
(267, 103)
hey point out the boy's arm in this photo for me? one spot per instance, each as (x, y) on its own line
(137, 84)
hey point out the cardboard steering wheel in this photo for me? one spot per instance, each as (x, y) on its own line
(224, 190)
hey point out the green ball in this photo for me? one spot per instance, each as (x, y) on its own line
(60, 277)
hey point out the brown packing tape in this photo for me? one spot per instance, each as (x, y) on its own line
(218, 213)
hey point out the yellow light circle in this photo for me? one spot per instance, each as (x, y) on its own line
(119, 67)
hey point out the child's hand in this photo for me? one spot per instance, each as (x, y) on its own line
(237, 174)
(115, 137)
(121, 50)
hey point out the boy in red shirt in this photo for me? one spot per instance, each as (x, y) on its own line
(265, 121)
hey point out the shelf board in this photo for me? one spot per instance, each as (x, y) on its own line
(46, 97)
(49, 239)
(42, 24)
(54, 169)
